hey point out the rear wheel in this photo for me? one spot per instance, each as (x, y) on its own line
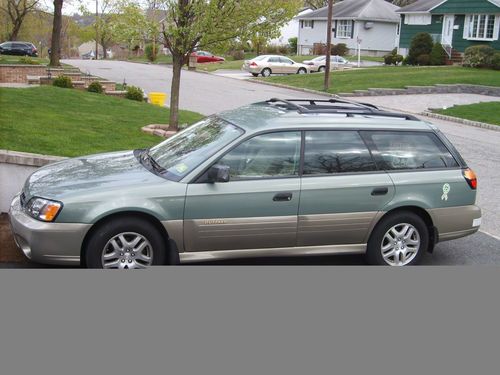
(302, 71)
(266, 72)
(400, 239)
(125, 243)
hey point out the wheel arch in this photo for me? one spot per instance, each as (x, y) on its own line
(417, 210)
(130, 213)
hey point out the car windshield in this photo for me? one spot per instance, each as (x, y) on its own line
(258, 58)
(179, 155)
(320, 58)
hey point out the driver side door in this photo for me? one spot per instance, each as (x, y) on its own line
(257, 208)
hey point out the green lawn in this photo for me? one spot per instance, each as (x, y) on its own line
(7, 60)
(391, 77)
(483, 112)
(354, 58)
(66, 122)
(162, 59)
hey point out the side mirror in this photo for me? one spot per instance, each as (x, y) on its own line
(218, 173)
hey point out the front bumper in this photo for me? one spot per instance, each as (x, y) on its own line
(49, 243)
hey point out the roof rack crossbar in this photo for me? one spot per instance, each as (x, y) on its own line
(289, 103)
(336, 99)
(359, 109)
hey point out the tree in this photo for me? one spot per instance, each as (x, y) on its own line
(316, 4)
(191, 24)
(16, 11)
(55, 44)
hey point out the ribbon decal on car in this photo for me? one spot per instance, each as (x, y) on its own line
(446, 190)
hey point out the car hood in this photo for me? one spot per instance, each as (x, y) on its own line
(87, 174)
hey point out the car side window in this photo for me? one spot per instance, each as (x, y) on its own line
(265, 156)
(336, 151)
(274, 60)
(286, 61)
(409, 150)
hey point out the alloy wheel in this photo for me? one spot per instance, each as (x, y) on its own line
(400, 244)
(127, 250)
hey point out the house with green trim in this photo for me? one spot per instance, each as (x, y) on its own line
(456, 24)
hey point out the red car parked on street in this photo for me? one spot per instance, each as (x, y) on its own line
(206, 57)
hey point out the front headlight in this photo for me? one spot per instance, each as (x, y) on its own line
(43, 209)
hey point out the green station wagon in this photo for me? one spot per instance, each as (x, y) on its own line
(281, 177)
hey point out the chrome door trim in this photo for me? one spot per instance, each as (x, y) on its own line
(284, 251)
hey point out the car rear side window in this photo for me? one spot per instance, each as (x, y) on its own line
(409, 150)
(336, 151)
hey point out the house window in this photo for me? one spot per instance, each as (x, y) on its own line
(344, 29)
(308, 24)
(418, 19)
(482, 27)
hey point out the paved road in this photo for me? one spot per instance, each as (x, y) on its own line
(200, 92)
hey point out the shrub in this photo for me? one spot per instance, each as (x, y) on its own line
(134, 93)
(340, 49)
(151, 53)
(283, 49)
(421, 44)
(95, 87)
(64, 82)
(478, 56)
(495, 61)
(293, 42)
(393, 58)
(272, 49)
(438, 55)
(238, 55)
(28, 61)
(424, 59)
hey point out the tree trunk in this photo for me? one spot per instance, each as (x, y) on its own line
(178, 61)
(55, 45)
(15, 29)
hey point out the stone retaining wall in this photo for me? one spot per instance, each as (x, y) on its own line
(15, 168)
(19, 73)
(436, 89)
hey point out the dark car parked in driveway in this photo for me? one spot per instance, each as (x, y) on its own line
(18, 49)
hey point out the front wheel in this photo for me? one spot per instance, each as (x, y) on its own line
(302, 71)
(322, 69)
(400, 239)
(125, 243)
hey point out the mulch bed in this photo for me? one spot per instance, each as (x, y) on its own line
(8, 249)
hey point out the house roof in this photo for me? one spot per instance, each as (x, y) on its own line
(372, 10)
(424, 6)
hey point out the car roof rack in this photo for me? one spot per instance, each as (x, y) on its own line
(336, 105)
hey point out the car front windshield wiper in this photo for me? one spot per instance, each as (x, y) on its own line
(145, 157)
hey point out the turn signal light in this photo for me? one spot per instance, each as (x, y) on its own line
(470, 177)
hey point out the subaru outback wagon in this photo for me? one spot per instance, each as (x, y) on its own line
(281, 177)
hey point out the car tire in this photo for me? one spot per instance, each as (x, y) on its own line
(115, 239)
(322, 69)
(266, 72)
(302, 71)
(255, 74)
(399, 239)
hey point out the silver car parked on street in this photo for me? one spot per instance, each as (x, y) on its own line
(274, 64)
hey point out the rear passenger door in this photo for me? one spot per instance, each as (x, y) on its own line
(424, 171)
(342, 191)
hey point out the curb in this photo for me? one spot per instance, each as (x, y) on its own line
(462, 121)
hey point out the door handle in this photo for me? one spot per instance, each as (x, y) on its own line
(380, 190)
(283, 197)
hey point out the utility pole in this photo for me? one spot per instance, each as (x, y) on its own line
(328, 44)
(97, 30)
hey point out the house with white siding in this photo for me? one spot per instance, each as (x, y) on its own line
(372, 23)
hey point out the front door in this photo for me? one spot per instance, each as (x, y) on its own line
(448, 24)
(257, 208)
(342, 191)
